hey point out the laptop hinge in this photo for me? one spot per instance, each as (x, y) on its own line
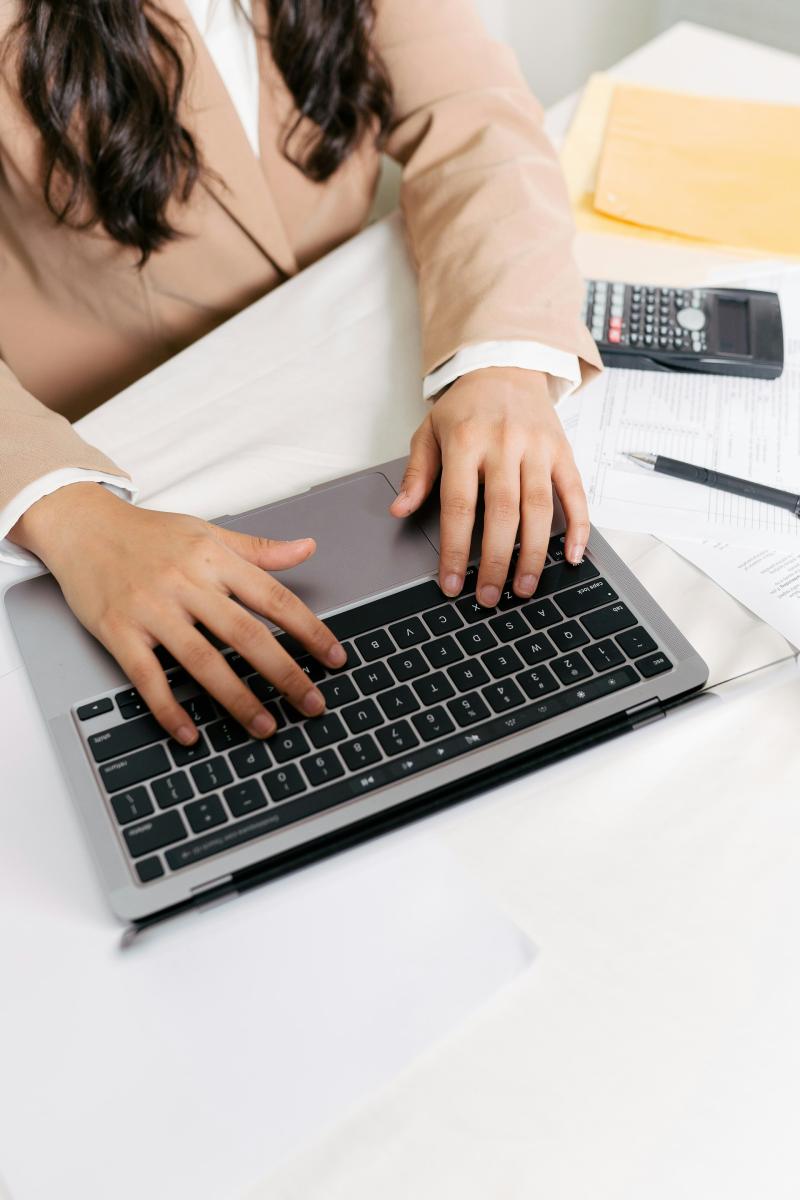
(645, 713)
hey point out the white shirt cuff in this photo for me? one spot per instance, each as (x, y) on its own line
(563, 368)
(44, 486)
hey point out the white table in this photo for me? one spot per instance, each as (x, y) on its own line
(653, 1049)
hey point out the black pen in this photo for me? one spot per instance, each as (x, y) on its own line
(714, 479)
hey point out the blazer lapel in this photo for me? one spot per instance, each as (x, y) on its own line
(235, 177)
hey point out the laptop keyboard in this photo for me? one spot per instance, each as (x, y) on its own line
(427, 679)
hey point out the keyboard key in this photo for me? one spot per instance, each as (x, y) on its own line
(262, 689)
(111, 743)
(127, 699)
(443, 651)
(555, 548)
(433, 688)
(183, 755)
(604, 655)
(132, 805)
(397, 738)
(636, 642)
(201, 709)
(339, 690)
(249, 760)
(538, 683)
(468, 709)
(535, 649)
(572, 668)
(599, 686)
(244, 798)
(352, 659)
(542, 613)
(375, 645)
(359, 753)
(227, 733)
(502, 696)
(313, 669)
(398, 702)
(95, 709)
(608, 620)
(409, 633)
(509, 626)
(581, 599)
(508, 599)
(408, 665)
(205, 814)
(325, 730)
(134, 768)
(284, 783)
(238, 664)
(373, 679)
(468, 675)
(173, 789)
(215, 773)
(322, 768)
(564, 575)
(654, 665)
(153, 834)
(471, 611)
(362, 716)
(434, 723)
(289, 743)
(474, 641)
(149, 869)
(568, 636)
(388, 609)
(443, 620)
(504, 661)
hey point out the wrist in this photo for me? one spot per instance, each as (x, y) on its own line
(53, 521)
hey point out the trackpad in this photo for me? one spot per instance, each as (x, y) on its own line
(361, 549)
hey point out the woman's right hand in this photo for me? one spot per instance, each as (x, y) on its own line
(138, 579)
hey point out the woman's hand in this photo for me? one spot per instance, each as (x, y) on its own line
(137, 579)
(499, 427)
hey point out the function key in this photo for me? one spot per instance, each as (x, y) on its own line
(654, 665)
(95, 709)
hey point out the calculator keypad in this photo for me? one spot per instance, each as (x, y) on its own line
(646, 318)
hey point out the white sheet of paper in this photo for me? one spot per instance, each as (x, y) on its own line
(744, 427)
(222, 1041)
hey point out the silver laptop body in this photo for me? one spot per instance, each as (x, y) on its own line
(470, 743)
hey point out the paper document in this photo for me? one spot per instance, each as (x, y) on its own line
(744, 427)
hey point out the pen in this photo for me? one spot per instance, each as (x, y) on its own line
(713, 479)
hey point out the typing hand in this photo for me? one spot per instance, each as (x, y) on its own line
(499, 427)
(137, 579)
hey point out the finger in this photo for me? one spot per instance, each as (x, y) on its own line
(421, 471)
(265, 595)
(267, 553)
(146, 674)
(209, 668)
(501, 492)
(240, 629)
(458, 498)
(568, 484)
(536, 508)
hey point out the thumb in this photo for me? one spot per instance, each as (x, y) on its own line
(268, 553)
(421, 471)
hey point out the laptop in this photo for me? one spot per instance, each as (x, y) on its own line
(439, 699)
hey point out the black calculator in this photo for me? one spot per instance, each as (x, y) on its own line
(724, 331)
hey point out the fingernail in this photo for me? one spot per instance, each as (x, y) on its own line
(575, 555)
(186, 735)
(527, 584)
(262, 725)
(313, 703)
(337, 657)
(452, 585)
(402, 499)
(488, 596)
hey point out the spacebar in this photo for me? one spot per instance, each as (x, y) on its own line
(398, 768)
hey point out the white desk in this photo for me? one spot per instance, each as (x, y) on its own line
(653, 1049)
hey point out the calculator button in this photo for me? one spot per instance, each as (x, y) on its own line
(614, 335)
(692, 319)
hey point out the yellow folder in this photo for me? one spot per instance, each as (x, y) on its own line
(726, 171)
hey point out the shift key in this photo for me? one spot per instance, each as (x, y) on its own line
(142, 731)
(134, 768)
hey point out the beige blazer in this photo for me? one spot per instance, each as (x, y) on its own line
(482, 196)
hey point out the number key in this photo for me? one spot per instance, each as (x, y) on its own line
(468, 709)
(572, 668)
(434, 723)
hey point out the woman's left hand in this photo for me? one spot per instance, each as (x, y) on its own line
(497, 427)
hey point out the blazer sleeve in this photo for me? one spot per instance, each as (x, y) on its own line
(483, 197)
(34, 441)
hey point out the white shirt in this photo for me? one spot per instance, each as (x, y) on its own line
(231, 43)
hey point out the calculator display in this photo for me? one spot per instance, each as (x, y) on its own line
(732, 327)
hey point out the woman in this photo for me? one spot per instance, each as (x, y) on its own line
(163, 165)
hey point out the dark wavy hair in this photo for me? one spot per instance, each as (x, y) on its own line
(103, 79)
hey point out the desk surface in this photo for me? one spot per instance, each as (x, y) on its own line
(653, 1049)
